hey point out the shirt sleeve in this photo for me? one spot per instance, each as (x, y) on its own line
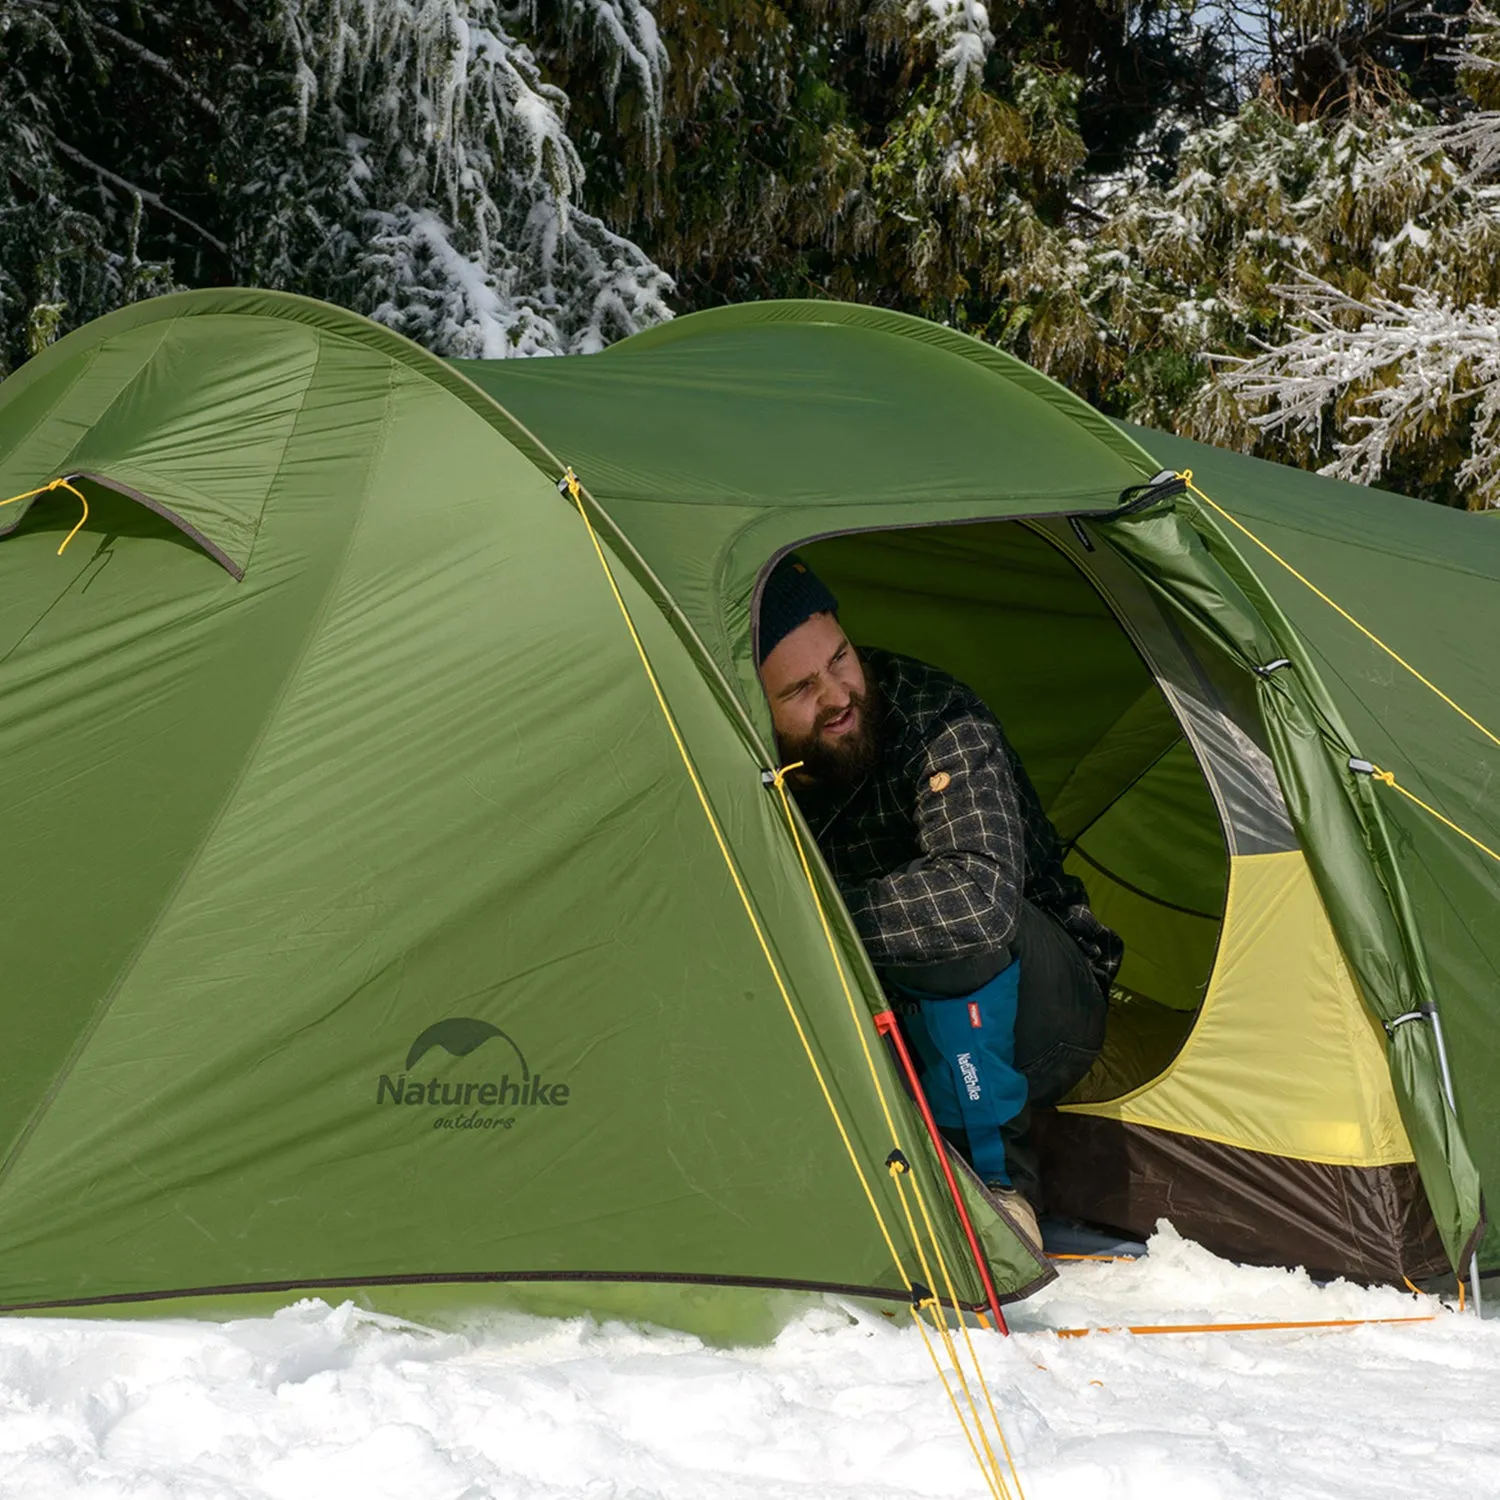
(962, 895)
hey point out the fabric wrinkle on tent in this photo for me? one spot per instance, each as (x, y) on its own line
(364, 929)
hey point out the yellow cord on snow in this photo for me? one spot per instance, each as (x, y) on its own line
(1388, 778)
(992, 1472)
(57, 484)
(999, 1490)
(994, 1476)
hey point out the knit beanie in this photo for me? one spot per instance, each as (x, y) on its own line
(793, 595)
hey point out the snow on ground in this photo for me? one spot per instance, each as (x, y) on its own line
(321, 1403)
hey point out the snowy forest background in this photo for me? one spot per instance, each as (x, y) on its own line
(1272, 224)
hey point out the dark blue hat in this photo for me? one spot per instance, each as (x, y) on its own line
(793, 595)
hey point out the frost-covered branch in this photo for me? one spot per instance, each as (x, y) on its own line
(1388, 373)
(959, 32)
(1474, 137)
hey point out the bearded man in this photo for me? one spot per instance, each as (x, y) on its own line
(952, 874)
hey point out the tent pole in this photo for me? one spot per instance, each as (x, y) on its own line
(888, 1026)
(1442, 1052)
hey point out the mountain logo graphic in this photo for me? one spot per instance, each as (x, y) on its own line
(485, 1097)
(459, 1036)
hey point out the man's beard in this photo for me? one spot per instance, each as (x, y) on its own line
(847, 760)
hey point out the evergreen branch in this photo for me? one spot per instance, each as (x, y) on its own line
(145, 195)
(159, 64)
(1088, 211)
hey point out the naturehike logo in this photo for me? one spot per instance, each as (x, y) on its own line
(508, 1084)
(458, 1036)
(970, 1075)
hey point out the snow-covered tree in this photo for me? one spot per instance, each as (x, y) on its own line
(1383, 380)
(421, 171)
(404, 157)
(1378, 357)
(921, 154)
(1260, 200)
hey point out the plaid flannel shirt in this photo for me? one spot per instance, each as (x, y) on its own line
(936, 848)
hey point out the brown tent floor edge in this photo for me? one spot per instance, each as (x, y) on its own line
(1369, 1224)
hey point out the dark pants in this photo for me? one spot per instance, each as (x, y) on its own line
(1055, 1019)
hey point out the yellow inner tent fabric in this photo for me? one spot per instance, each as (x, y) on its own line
(1283, 1057)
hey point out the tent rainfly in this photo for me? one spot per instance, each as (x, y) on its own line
(396, 899)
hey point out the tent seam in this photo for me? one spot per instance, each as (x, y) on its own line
(1382, 1161)
(763, 502)
(120, 394)
(1074, 847)
(481, 1278)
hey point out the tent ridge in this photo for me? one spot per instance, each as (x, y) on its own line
(125, 389)
(897, 325)
(85, 366)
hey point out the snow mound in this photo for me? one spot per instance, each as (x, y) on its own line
(319, 1402)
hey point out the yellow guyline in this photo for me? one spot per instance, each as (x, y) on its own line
(57, 484)
(994, 1478)
(899, 1172)
(574, 490)
(1386, 778)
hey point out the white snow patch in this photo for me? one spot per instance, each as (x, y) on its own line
(318, 1403)
(960, 31)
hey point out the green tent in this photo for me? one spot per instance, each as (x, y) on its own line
(395, 898)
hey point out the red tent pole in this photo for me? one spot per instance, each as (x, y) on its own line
(888, 1026)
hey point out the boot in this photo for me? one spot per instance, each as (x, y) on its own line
(1018, 1210)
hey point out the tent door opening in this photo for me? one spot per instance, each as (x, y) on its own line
(1113, 716)
(1243, 1088)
